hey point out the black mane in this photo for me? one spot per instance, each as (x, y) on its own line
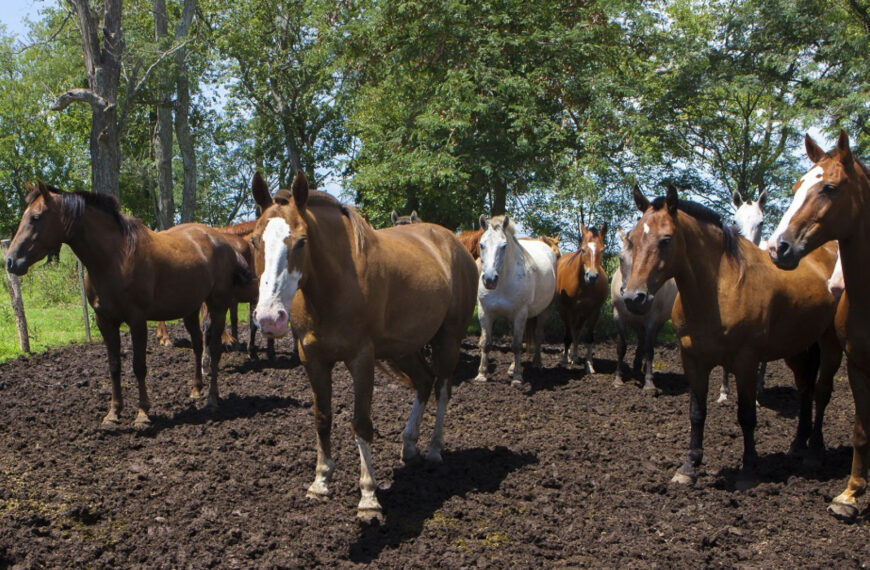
(730, 236)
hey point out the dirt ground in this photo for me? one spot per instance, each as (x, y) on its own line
(566, 471)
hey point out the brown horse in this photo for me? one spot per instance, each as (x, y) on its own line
(581, 289)
(734, 309)
(405, 220)
(831, 203)
(347, 290)
(130, 270)
(470, 240)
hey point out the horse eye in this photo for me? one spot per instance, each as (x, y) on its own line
(483, 246)
(829, 188)
(299, 243)
(665, 242)
(35, 218)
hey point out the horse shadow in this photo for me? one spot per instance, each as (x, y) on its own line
(779, 467)
(419, 491)
(231, 407)
(781, 399)
(281, 361)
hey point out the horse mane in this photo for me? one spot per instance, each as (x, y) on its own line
(361, 228)
(730, 236)
(497, 222)
(73, 205)
(241, 229)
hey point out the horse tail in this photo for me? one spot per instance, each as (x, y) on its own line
(391, 369)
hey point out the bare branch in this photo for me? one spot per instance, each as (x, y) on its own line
(83, 95)
(50, 39)
(154, 65)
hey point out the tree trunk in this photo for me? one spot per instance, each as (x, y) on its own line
(162, 140)
(499, 197)
(182, 114)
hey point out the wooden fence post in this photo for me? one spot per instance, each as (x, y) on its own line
(17, 303)
(84, 299)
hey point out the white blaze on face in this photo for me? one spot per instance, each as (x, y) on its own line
(592, 247)
(645, 228)
(810, 179)
(749, 218)
(277, 284)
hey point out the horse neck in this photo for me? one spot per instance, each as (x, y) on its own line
(98, 242)
(333, 256)
(855, 249)
(701, 268)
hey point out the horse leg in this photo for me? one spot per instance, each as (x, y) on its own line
(139, 337)
(112, 339)
(745, 370)
(421, 377)
(762, 371)
(191, 323)
(830, 358)
(516, 368)
(590, 339)
(362, 370)
(620, 348)
(805, 367)
(320, 378)
(445, 358)
(217, 317)
(252, 333)
(162, 335)
(535, 331)
(844, 505)
(484, 344)
(648, 347)
(723, 389)
(698, 376)
(231, 337)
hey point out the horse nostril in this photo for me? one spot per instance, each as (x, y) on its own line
(639, 298)
(782, 248)
(282, 315)
(9, 264)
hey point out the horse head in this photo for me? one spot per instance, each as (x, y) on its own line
(43, 228)
(826, 205)
(592, 250)
(281, 252)
(749, 215)
(405, 220)
(494, 244)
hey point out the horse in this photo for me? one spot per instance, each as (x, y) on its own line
(470, 240)
(242, 231)
(347, 290)
(553, 242)
(734, 309)
(405, 220)
(646, 326)
(130, 269)
(581, 289)
(749, 219)
(517, 282)
(829, 204)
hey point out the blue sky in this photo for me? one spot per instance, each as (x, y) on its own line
(14, 13)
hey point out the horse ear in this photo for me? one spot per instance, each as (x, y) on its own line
(394, 217)
(43, 189)
(762, 199)
(582, 230)
(639, 199)
(603, 231)
(814, 151)
(621, 233)
(482, 221)
(300, 189)
(671, 200)
(843, 147)
(260, 191)
(737, 199)
(414, 217)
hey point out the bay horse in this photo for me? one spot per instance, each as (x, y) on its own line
(831, 203)
(130, 270)
(470, 240)
(734, 309)
(581, 289)
(405, 220)
(517, 282)
(749, 219)
(645, 326)
(346, 290)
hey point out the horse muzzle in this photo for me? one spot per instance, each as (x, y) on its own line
(490, 282)
(784, 254)
(16, 266)
(272, 323)
(638, 302)
(590, 278)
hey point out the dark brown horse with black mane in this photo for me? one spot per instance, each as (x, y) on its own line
(735, 309)
(136, 275)
(347, 289)
(832, 201)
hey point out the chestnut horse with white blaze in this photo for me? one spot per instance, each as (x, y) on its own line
(346, 290)
(136, 275)
(581, 289)
(517, 282)
(734, 309)
(831, 202)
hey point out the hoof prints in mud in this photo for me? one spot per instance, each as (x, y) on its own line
(565, 470)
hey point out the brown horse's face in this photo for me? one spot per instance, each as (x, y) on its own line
(39, 231)
(825, 205)
(592, 250)
(281, 257)
(656, 246)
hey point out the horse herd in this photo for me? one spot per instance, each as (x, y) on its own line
(313, 265)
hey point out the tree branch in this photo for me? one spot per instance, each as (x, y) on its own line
(83, 95)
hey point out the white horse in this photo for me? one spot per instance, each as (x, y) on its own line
(517, 282)
(646, 326)
(749, 218)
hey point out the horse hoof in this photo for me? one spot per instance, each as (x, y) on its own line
(370, 515)
(681, 478)
(270, 354)
(516, 383)
(590, 369)
(142, 423)
(410, 455)
(317, 492)
(618, 383)
(843, 511)
(110, 423)
(650, 388)
(433, 457)
(195, 393)
(797, 449)
(213, 404)
(480, 378)
(722, 399)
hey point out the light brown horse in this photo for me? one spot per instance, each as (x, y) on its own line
(734, 309)
(470, 240)
(135, 275)
(581, 289)
(347, 290)
(831, 202)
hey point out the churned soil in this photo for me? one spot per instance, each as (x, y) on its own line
(567, 470)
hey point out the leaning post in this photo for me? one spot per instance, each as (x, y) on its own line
(84, 299)
(17, 303)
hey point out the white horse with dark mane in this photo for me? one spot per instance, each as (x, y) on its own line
(517, 282)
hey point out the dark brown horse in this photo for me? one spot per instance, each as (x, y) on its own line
(135, 275)
(581, 289)
(734, 309)
(831, 202)
(347, 289)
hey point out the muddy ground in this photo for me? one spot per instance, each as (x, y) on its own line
(566, 471)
